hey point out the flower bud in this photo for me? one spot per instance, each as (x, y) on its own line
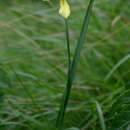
(64, 10)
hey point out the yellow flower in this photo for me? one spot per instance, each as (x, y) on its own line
(64, 9)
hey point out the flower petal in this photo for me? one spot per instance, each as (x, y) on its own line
(64, 9)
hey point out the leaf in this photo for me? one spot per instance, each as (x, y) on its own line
(120, 112)
(100, 115)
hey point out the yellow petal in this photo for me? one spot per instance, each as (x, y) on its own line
(64, 9)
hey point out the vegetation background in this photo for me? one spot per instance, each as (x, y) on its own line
(33, 65)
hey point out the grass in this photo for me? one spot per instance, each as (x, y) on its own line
(32, 41)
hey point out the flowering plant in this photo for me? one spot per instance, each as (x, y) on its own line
(65, 11)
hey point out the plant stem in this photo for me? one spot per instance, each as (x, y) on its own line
(69, 64)
(68, 43)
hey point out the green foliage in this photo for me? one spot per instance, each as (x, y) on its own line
(32, 40)
(120, 112)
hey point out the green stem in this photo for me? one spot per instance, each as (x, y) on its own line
(69, 64)
(68, 43)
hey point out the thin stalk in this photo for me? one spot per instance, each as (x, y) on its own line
(68, 43)
(69, 61)
(73, 67)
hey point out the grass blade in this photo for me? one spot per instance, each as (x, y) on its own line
(100, 114)
(73, 66)
(122, 61)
